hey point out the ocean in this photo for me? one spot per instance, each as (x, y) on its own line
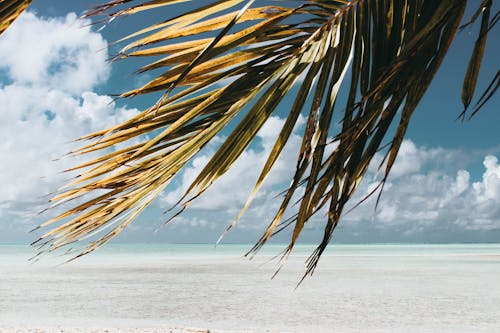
(158, 287)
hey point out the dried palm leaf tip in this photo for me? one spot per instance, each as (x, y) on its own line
(385, 53)
(10, 10)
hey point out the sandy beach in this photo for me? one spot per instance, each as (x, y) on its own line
(356, 290)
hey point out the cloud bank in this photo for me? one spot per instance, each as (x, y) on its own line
(422, 195)
(48, 69)
(425, 192)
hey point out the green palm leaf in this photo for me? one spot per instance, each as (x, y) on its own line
(385, 53)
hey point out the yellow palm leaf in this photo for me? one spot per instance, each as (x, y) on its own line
(240, 62)
(10, 10)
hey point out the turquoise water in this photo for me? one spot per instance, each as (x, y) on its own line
(276, 249)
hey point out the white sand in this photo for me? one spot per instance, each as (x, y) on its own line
(160, 293)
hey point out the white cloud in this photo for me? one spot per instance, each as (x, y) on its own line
(425, 190)
(489, 187)
(59, 53)
(423, 195)
(411, 159)
(194, 222)
(46, 102)
(230, 193)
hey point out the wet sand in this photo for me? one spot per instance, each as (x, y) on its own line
(157, 292)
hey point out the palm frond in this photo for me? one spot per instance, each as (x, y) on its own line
(10, 10)
(472, 74)
(243, 60)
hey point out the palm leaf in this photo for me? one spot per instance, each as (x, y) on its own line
(10, 10)
(388, 50)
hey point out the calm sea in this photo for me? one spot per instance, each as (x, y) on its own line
(197, 250)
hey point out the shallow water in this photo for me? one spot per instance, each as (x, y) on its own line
(357, 288)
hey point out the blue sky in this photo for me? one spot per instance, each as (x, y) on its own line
(54, 81)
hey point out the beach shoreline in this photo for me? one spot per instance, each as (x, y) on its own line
(190, 290)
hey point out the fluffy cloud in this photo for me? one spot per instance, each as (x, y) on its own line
(413, 159)
(50, 67)
(231, 192)
(426, 191)
(58, 53)
(422, 195)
